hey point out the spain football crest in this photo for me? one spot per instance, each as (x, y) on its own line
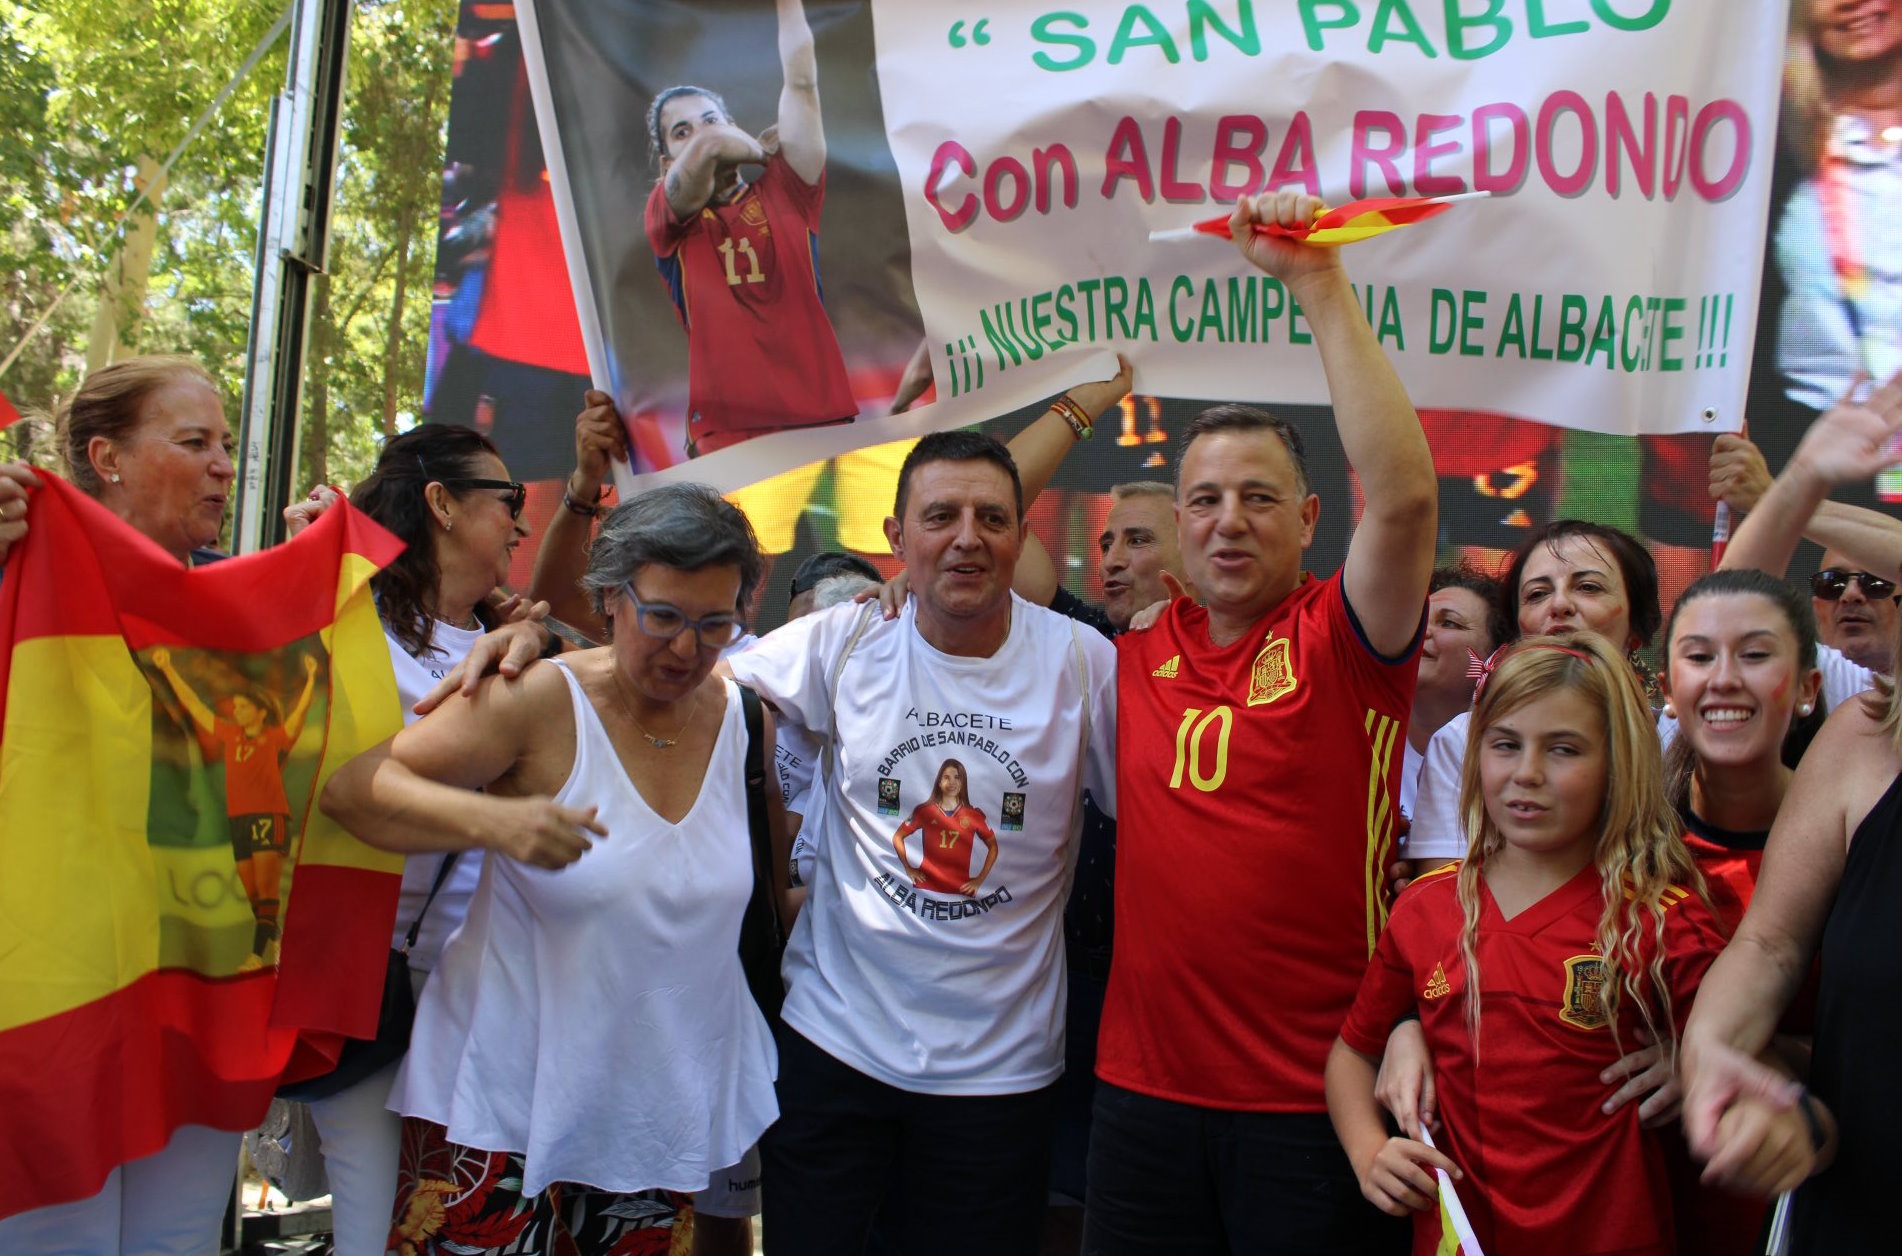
(1273, 676)
(754, 213)
(1584, 1002)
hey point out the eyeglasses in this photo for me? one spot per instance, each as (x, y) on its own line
(1831, 583)
(664, 622)
(517, 492)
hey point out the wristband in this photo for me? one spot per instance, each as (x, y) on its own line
(583, 509)
(1081, 424)
(1806, 1104)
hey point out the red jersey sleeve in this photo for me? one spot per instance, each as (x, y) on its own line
(664, 231)
(1692, 939)
(1385, 995)
(806, 198)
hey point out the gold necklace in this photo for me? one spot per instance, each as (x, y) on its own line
(659, 743)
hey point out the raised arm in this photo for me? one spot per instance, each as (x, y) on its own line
(563, 557)
(194, 706)
(413, 792)
(1390, 559)
(1744, 994)
(691, 175)
(1038, 450)
(1846, 444)
(802, 135)
(294, 722)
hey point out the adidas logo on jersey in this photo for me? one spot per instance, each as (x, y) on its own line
(1168, 670)
(1436, 986)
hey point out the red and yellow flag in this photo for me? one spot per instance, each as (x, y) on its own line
(180, 927)
(1345, 224)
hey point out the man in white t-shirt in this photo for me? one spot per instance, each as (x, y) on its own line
(923, 1032)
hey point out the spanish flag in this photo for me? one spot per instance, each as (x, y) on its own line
(180, 927)
(1456, 1231)
(1345, 224)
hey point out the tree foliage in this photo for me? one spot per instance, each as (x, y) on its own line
(87, 87)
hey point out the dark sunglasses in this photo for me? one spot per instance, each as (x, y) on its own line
(1831, 583)
(517, 492)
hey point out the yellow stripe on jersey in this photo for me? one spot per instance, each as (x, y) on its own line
(1381, 731)
(1445, 869)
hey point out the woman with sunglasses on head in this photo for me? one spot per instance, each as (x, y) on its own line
(443, 491)
(587, 1057)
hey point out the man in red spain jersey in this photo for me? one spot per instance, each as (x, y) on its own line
(257, 813)
(948, 823)
(740, 257)
(1258, 768)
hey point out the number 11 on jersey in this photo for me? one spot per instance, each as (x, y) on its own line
(753, 272)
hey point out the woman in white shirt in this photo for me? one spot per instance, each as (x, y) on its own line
(587, 1055)
(444, 491)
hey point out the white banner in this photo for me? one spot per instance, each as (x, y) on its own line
(1610, 282)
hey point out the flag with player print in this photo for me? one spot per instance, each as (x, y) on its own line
(180, 927)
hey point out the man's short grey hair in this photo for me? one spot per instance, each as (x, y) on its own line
(838, 590)
(1143, 488)
(683, 526)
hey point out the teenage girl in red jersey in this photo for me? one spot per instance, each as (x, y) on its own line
(1741, 680)
(948, 823)
(1579, 915)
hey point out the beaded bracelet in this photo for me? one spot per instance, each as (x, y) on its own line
(580, 508)
(1081, 424)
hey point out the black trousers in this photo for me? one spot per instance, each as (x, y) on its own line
(1173, 1179)
(965, 1173)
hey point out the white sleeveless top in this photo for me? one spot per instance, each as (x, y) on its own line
(596, 1019)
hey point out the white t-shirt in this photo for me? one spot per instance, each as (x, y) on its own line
(1410, 761)
(415, 677)
(796, 755)
(930, 989)
(1436, 830)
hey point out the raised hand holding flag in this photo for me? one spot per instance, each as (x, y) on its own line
(1345, 224)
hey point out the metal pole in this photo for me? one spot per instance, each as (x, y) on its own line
(293, 242)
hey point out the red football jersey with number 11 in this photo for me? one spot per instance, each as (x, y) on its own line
(1257, 788)
(744, 279)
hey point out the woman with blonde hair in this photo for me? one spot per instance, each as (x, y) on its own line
(1576, 920)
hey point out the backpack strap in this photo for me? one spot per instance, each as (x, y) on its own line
(762, 933)
(442, 875)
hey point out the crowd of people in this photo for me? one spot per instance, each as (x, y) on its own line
(1257, 910)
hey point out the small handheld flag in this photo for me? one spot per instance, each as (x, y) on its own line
(1456, 1231)
(1346, 224)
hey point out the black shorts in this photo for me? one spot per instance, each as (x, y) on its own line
(258, 835)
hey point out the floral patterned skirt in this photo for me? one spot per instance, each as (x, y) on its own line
(460, 1200)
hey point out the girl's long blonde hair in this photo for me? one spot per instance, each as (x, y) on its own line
(1640, 853)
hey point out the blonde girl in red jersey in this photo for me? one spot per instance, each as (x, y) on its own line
(1580, 917)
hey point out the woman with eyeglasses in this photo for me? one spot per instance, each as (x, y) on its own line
(587, 1057)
